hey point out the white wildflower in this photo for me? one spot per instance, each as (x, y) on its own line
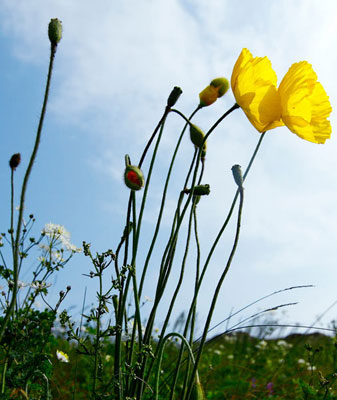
(60, 233)
(230, 356)
(218, 352)
(40, 285)
(262, 345)
(284, 344)
(62, 356)
(301, 361)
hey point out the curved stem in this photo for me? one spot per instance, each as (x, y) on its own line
(190, 352)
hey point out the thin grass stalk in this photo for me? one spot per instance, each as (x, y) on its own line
(23, 194)
(216, 293)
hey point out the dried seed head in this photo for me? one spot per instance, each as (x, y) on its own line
(15, 161)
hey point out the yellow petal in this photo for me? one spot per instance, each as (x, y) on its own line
(305, 104)
(254, 87)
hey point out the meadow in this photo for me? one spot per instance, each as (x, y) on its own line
(234, 366)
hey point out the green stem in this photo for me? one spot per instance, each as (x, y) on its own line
(216, 293)
(3, 380)
(98, 331)
(220, 234)
(149, 253)
(12, 211)
(23, 193)
(161, 351)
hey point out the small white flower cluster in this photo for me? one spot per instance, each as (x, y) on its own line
(285, 345)
(306, 364)
(59, 232)
(35, 285)
(261, 345)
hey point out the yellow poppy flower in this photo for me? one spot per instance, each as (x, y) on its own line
(254, 87)
(305, 104)
(300, 103)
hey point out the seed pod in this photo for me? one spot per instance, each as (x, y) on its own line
(15, 161)
(133, 177)
(174, 96)
(55, 31)
(237, 174)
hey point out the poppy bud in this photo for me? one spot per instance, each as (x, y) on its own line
(55, 31)
(237, 174)
(15, 161)
(221, 84)
(174, 96)
(217, 88)
(133, 177)
(196, 135)
(199, 190)
(208, 96)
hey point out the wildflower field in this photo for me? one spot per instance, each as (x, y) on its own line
(114, 350)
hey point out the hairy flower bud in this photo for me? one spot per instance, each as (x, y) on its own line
(196, 135)
(237, 174)
(55, 31)
(15, 161)
(221, 84)
(133, 177)
(217, 88)
(174, 96)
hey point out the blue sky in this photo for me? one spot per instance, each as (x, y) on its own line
(114, 68)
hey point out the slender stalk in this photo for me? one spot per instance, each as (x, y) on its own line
(98, 331)
(12, 211)
(220, 233)
(23, 194)
(216, 293)
(149, 253)
(167, 260)
(76, 359)
(161, 351)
